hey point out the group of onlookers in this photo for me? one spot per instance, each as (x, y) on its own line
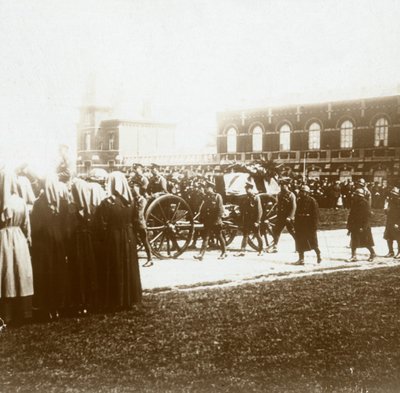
(67, 250)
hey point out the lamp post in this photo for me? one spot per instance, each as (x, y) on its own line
(304, 166)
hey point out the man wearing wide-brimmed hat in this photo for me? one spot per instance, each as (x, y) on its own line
(306, 224)
(392, 229)
(211, 213)
(359, 225)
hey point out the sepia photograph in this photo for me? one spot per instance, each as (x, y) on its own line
(200, 196)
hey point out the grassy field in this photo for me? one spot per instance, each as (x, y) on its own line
(337, 219)
(330, 333)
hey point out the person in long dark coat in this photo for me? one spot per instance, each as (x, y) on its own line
(16, 278)
(211, 213)
(392, 228)
(49, 257)
(120, 276)
(251, 212)
(81, 255)
(306, 225)
(359, 225)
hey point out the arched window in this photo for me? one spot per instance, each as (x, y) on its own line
(314, 136)
(381, 132)
(87, 141)
(346, 135)
(111, 142)
(284, 137)
(257, 139)
(231, 140)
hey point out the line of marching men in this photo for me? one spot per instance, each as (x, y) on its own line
(69, 250)
(300, 215)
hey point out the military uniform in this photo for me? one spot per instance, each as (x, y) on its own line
(286, 209)
(392, 229)
(359, 224)
(157, 184)
(306, 224)
(251, 210)
(211, 213)
(142, 181)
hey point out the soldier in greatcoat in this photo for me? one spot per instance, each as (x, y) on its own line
(286, 209)
(251, 211)
(306, 225)
(359, 225)
(392, 229)
(211, 213)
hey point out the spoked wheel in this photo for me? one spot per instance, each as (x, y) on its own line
(268, 220)
(169, 226)
(229, 232)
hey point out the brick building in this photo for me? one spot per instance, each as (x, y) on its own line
(339, 140)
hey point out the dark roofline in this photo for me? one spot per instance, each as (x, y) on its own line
(308, 104)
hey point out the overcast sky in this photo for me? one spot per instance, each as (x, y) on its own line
(190, 58)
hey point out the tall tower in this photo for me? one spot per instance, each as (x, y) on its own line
(89, 142)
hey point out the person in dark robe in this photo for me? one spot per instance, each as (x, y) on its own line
(120, 276)
(392, 228)
(81, 255)
(359, 225)
(211, 216)
(251, 212)
(306, 225)
(16, 278)
(139, 221)
(49, 257)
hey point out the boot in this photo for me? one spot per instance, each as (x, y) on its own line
(198, 257)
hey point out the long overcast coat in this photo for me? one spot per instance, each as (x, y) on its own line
(359, 223)
(306, 224)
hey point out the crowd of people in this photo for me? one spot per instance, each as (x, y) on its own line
(69, 245)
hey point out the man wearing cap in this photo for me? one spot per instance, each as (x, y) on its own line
(361, 184)
(359, 225)
(306, 225)
(392, 229)
(140, 178)
(157, 183)
(211, 213)
(286, 209)
(251, 210)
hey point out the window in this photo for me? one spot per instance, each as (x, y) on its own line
(314, 136)
(381, 132)
(231, 140)
(257, 139)
(284, 137)
(87, 141)
(111, 142)
(346, 135)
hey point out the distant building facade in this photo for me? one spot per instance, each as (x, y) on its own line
(107, 143)
(338, 140)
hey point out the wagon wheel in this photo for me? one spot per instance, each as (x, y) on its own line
(229, 232)
(268, 220)
(169, 225)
